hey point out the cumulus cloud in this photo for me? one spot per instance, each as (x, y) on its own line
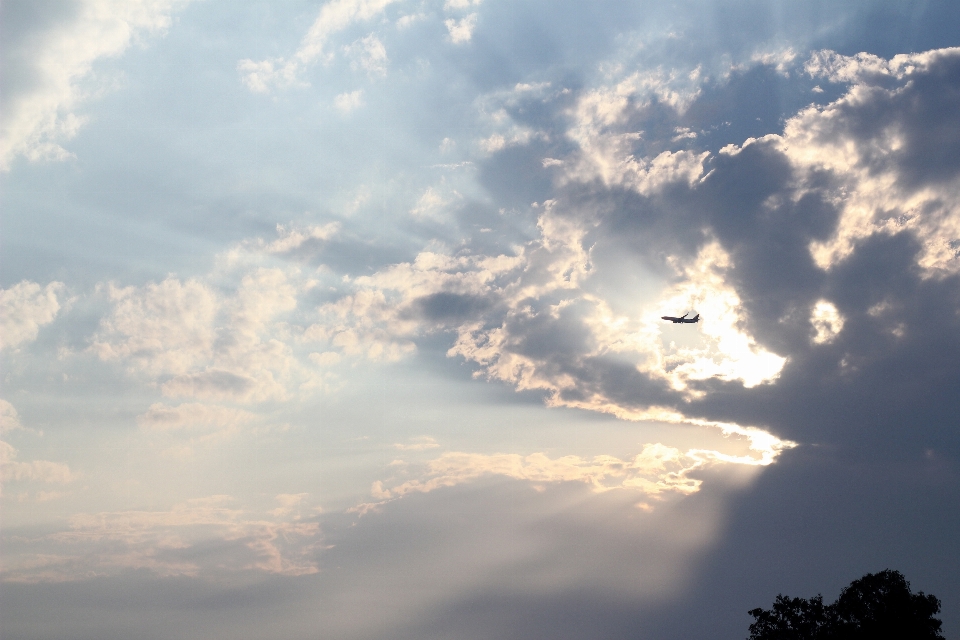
(891, 144)
(164, 542)
(161, 327)
(24, 308)
(602, 128)
(48, 69)
(461, 30)
(756, 238)
(198, 343)
(347, 102)
(334, 17)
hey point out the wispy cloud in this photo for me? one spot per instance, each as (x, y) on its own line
(654, 473)
(162, 542)
(334, 17)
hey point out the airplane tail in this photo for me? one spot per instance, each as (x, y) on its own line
(696, 318)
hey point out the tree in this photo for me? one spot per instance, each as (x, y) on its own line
(875, 607)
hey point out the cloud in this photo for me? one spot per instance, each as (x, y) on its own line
(197, 343)
(433, 204)
(461, 30)
(9, 419)
(334, 16)
(453, 5)
(49, 63)
(420, 444)
(24, 308)
(656, 472)
(166, 543)
(368, 54)
(891, 145)
(13, 470)
(165, 327)
(347, 102)
(293, 239)
(826, 321)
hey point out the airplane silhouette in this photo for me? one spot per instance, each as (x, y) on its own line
(682, 319)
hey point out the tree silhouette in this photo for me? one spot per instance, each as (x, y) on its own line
(874, 607)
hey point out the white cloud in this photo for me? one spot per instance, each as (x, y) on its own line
(45, 471)
(37, 118)
(164, 542)
(432, 204)
(334, 16)
(369, 54)
(196, 343)
(826, 320)
(167, 327)
(24, 308)
(782, 60)
(292, 239)
(407, 21)
(381, 317)
(14, 470)
(347, 102)
(875, 192)
(456, 5)
(606, 145)
(461, 30)
(867, 67)
(656, 472)
(9, 419)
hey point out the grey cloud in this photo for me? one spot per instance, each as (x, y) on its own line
(451, 307)
(886, 383)
(922, 109)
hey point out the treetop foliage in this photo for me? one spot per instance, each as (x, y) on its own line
(874, 607)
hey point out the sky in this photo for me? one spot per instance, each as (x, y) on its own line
(341, 318)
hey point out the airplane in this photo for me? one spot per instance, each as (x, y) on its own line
(682, 319)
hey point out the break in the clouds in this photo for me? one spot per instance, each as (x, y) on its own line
(394, 297)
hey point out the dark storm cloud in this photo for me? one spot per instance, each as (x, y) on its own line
(887, 382)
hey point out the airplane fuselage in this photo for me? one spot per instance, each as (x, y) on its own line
(682, 319)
